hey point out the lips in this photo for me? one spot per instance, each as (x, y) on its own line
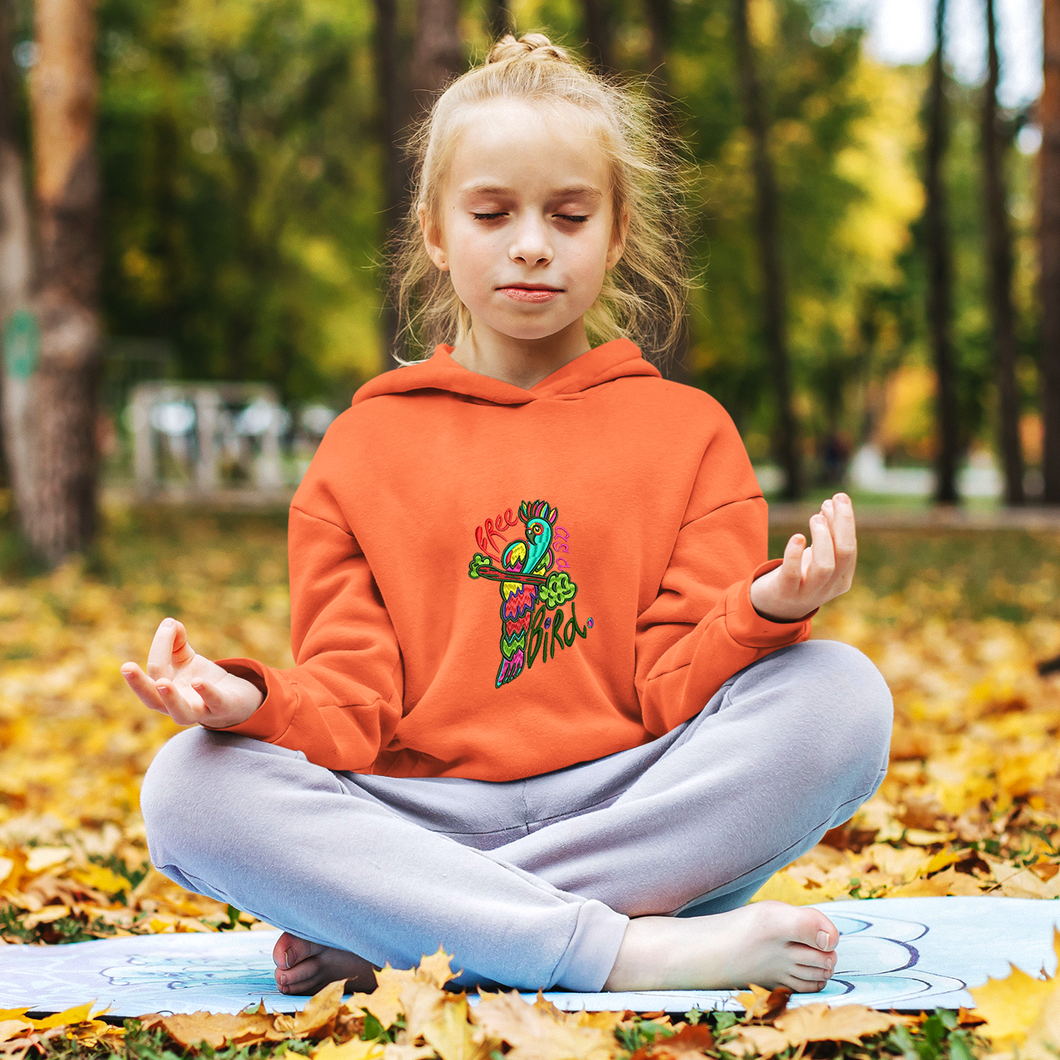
(530, 292)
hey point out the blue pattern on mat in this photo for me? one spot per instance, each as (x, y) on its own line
(904, 953)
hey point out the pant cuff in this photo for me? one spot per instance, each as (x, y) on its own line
(592, 950)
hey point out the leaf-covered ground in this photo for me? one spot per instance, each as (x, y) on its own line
(956, 621)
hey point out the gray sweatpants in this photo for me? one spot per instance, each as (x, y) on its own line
(529, 883)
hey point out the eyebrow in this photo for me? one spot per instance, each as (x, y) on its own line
(588, 191)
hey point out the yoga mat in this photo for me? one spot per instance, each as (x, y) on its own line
(901, 953)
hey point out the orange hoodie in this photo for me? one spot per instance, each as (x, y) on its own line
(494, 582)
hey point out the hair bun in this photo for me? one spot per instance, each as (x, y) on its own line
(533, 46)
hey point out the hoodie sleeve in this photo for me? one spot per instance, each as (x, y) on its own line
(341, 702)
(702, 628)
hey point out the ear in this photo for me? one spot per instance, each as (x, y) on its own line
(432, 238)
(618, 240)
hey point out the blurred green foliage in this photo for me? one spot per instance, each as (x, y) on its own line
(243, 202)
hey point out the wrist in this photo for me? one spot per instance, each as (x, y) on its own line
(768, 607)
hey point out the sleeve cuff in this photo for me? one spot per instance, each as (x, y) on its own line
(270, 720)
(746, 626)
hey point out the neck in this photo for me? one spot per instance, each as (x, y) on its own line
(521, 362)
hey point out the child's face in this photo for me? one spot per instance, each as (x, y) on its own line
(526, 226)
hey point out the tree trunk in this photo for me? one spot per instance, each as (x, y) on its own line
(16, 266)
(659, 16)
(999, 257)
(391, 88)
(438, 54)
(60, 516)
(596, 23)
(500, 15)
(940, 272)
(1049, 248)
(768, 238)
(437, 57)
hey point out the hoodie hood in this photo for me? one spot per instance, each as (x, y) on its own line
(613, 360)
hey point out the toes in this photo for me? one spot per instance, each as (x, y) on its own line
(801, 924)
(304, 978)
(818, 931)
(812, 960)
(806, 986)
(290, 950)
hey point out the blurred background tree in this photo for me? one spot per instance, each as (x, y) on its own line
(252, 170)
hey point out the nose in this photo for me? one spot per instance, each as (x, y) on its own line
(530, 243)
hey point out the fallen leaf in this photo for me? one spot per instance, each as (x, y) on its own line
(949, 881)
(11, 1028)
(755, 1041)
(1011, 1006)
(354, 1049)
(48, 915)
(77, 1014)
(762, 1004)
(844, 1023)
(385, 1001)
(317, 1019)
(394, 1051)
(691, 1041)
(436, 968)
(216, 1029)
(41, 858)
(540, 1031)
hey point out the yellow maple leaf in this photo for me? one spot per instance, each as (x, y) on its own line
(449, 1032)
(756, 1041)
(101, 878)
(540, 1031)
(783, 887)
(1011, 1006)
(844, 1023)
(317, 1018)
(436, 968)
(354, 1049)
(384, 1002)
(77, 1014)
(949, 881)
(762, 1004)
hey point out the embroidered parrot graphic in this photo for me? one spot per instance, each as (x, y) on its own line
(518, 598)
(527, 582)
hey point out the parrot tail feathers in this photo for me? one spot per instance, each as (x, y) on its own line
(511, 668)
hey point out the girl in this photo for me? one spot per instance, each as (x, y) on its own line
(550, 708)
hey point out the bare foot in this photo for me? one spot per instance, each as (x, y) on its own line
(306, 967)
(767, 943)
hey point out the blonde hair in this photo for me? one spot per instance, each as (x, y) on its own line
(643, 296)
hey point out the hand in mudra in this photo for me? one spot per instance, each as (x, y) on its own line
(187, 686)
(811, 575)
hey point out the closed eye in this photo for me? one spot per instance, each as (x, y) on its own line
(487, 216)
(573, 218)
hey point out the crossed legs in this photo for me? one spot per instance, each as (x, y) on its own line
(572, 879)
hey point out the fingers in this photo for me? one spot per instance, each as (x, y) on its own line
(169, 649)
(822, 559)
(160, 654)
(839, 512)
(186, 706)
(143, 686)
(794, 551)
(213, 704)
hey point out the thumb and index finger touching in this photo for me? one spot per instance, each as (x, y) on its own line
(169, 651)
